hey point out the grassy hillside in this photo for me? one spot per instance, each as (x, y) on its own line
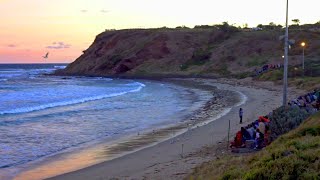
(295, 155)
(222, 51)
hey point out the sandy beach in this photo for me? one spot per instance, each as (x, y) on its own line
(176, 157)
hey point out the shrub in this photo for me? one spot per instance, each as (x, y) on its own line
(256, 61)
(283, 120)
(199, 57)
(225, 27)
(114, 59)
(273, 75)
(243, 75)
(223, 69)
(184, 67)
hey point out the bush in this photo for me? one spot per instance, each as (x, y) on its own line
(243, 75)
(199, 57)
(273, 75)
(256, 61)
(283, 120)
(225, 27)
(114, 59)
(184, 67)
(223, 69)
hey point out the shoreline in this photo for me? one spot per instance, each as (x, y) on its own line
(133, 143)
(164, 160)
(134, 166)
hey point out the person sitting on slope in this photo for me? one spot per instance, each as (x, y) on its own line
(259, 139)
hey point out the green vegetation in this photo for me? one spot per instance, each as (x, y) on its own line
(114, 59)
(256, 61)
(295, 155)
(309, 81)
(242, 75)
(204, 50)
(283, 120)
(312, 68)
(225, 27)
(223, 70)
(198, 58)
(273, 75)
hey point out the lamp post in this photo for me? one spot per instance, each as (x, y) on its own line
(285, 65)
(303, 44)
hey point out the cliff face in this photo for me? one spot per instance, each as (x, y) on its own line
(207, 52)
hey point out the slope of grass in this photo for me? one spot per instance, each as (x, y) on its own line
(308, 83)
(295, 155)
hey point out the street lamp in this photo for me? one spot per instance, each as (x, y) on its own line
(285, 65)
(303, 44)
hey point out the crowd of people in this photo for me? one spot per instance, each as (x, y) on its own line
(266, 68)
(258, 131)
(309, 101)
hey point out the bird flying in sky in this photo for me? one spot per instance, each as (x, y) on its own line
(46, 56)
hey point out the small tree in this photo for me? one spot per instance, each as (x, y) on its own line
(225, 27)
(296, 21)
(272, 25)
(279, 26)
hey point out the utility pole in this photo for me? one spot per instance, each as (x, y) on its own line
(303, 44)
(285, 69)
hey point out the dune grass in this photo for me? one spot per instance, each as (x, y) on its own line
(295, 155)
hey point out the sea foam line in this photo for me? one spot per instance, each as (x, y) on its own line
(65, 103)
(243, 98)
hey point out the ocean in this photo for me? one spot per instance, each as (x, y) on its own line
(41, 115)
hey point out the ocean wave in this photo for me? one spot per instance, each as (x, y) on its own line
(11, 75)
(243, 98)
(40, 71)
(12, 70)
(103, 78)
(135, 84)
(71, 102)
(59, 67)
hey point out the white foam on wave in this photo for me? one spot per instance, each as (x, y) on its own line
(135, 84)
(10, 75)
(12, 70)
(23, 73)
(59, 67)
(71, 102)
(103, 78)
(243, 98)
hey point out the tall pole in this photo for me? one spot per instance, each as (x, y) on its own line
(303, 60)
(228, 135)
(285, 73)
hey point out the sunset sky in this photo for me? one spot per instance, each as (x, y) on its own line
(30, 28)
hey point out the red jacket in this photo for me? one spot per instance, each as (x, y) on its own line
(263, 119)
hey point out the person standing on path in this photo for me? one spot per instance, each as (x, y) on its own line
(240, 115)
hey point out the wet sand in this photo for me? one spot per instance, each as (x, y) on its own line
(174, 158)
